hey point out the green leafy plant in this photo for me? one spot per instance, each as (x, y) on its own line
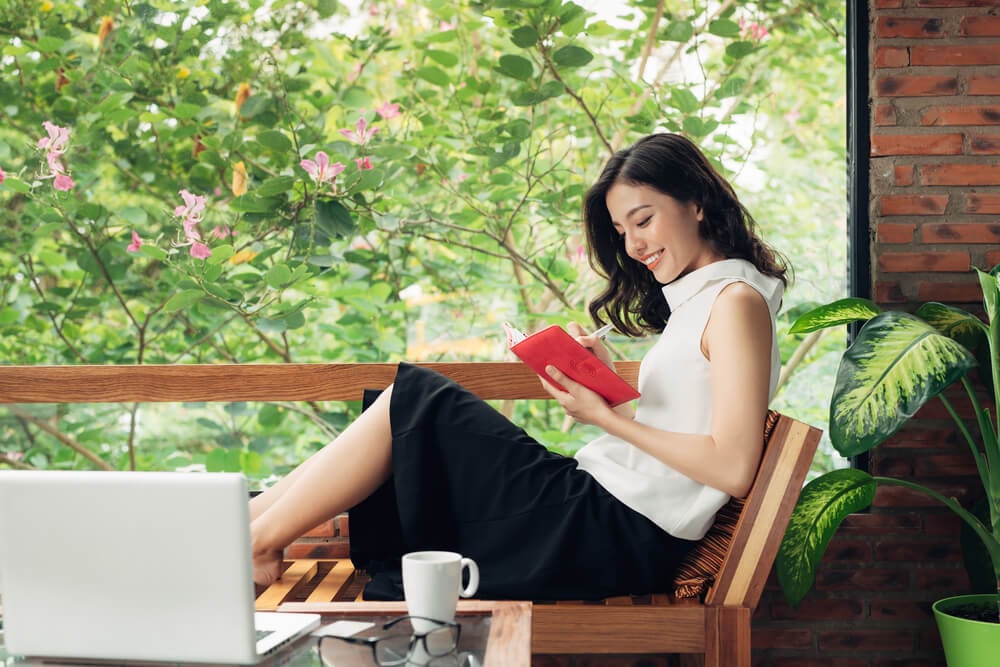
(896, 364)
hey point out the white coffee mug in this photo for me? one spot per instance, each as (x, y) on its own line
(432, 584)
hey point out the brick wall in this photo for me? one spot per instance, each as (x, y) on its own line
(935, 211)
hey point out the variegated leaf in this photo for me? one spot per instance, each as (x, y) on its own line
(822, 505)
(954, 323)
(894, 366)
(842, 311)
(991, 290)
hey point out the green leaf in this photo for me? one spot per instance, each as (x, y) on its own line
(278, 276)
(897, 363)
(184, 111)
(991, 290)
(445, 58)
(333, 219)
(134, 215)
(524, 36)
(434, 75)
(275, 186)
(724, 28)
(954, 323)
(182, 300)
(678, 31)
(684, 100)
(49, 44)
(822, 506)
(835, 314)
(572, 56)
(153, 251)
(732, 86)
(270, 415)
(275, 140)
(739, 50)
(516, 67)
(15, 184)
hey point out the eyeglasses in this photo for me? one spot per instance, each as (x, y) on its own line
(396, 645)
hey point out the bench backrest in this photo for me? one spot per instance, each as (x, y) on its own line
(787, 456)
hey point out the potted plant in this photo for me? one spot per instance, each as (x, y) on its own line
(898, 362)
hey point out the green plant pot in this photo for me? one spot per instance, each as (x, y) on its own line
(967, 643)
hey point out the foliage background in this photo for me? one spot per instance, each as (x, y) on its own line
(468, 216)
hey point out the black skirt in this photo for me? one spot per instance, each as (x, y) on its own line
(465, 479)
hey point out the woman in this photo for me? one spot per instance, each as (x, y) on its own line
(429, 466)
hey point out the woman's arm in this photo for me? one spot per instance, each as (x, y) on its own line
(737, 342)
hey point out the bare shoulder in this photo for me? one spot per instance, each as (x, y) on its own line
(740, 301)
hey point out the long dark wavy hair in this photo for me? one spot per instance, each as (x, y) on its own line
(673, 165)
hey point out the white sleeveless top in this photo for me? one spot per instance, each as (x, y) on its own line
(676, 390)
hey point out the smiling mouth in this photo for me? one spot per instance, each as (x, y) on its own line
(652, 260)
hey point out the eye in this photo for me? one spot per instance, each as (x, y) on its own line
(645, 222)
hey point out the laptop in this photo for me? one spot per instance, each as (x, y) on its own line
(151, 566)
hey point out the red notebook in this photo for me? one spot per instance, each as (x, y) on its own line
(554, 346)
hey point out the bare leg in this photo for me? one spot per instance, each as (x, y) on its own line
(332, 480)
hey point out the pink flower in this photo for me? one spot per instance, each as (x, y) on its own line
(192, 210)
(58, 138)
(320, 169)
(63, 183)
(135, 244)
(388, 110)
(753, 31)
(364, 163)
(222, 232)
(445, 25)
(361, 133)
(200, 251)
(3, 175)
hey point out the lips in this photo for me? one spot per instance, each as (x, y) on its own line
(651, 261)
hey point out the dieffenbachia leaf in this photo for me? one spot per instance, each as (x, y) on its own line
(842, 311)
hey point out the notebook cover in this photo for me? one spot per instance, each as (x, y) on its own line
(554, 346)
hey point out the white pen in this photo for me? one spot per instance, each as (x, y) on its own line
(603, 332)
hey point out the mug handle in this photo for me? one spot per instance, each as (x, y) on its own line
(473, 586)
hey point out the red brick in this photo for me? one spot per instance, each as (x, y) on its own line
(984, 84)
(900, 551)
(901, 497)
(912, 262)
(962, 115)
(900, 610)
(841, 549)
(992, 258)
(318, 550)
(946, 465)
(921, 437)
(900, 85)
(966, 292)
(870, 523)
(956, 3)
(819, 609)
(941, 579)
(325, 529)
(984, 144)
(888, 4)
(772, 637)
(913, 204)
(945, 524)
(893, 466)
(960, 232)
(867, 640)
(916, 144)
(820, 662)
(888, 292)
(891, 57)
(980, 26)
(895, 232)
(885, 115)
(951, 56)
(889, 27)
(903, 174)
(856, 579)
(960, 174)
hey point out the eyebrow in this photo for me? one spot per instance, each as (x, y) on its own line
(632, 212)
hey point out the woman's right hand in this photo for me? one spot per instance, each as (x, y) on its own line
(592, 343)
(267, 567)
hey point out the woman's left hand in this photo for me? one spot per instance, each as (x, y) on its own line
(579, 402)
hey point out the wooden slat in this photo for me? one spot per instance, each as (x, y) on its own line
(509, 641)
(633, 629)
(252, 382)
(333, 582)
(755, 543)
(297, 572)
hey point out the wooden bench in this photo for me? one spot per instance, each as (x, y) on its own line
(716, 626)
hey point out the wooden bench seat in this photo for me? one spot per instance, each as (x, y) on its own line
(716, 625)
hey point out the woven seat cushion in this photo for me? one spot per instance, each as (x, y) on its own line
(697, 572)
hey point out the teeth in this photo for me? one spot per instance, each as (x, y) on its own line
(649, 260)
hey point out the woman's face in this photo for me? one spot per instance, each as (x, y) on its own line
(659, 231)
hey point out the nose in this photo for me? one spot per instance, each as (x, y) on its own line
(635, 246)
